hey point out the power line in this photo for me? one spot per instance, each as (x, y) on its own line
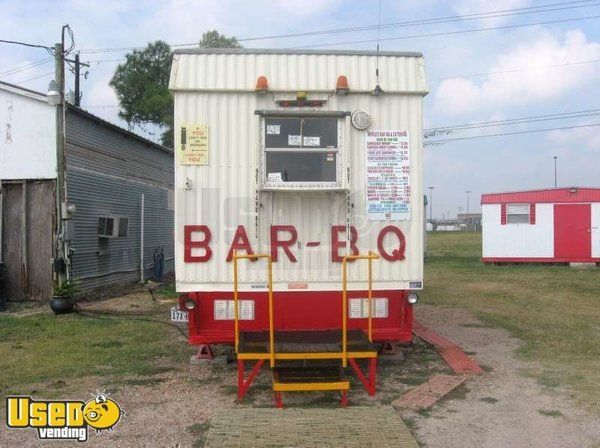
(518, 120)
(25, 44)
(431, 21)
(106, 60)
(470, 75)
(24, 67)
(474, 75)
(448, 33)
(35, 77)
(437, 20)
(531, 131)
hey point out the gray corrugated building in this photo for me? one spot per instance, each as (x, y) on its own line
(113, 178)
(108, 171)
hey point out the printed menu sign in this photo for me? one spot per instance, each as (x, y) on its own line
(388, 175)
(194, 149)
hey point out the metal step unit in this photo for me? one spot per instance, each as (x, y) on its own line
(305, 360)
(310, 376)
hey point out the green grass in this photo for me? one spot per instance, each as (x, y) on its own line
(44, 348)
(550, 413)
(555, 310)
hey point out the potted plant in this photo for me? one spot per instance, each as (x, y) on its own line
(62, 299)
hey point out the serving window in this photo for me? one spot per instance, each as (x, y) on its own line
(301, 152)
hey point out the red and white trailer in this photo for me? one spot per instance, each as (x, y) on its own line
(556, 225)
(303, 158)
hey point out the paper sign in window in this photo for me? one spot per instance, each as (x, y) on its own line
(273, 129)
(294, 140)
(311, 141)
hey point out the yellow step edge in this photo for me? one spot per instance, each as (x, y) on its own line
(307, 355)
(301, 387)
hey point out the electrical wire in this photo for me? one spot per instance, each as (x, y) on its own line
(24, 67)
(474, 75)
(431, 21)
(519, 120)
(25, 44)
(69, 31)
(34, 78)
(449, 33)
(109, 315)
(437, 20)
(531, 131)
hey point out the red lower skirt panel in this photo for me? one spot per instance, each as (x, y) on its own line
(539, 260)
(298, 310)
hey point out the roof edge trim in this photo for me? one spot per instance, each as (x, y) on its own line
(408, 54)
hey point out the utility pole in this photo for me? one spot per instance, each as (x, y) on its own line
(77, 93)
(468, 217)
(431, 204)
(59, 76)
(555, 178)
(77, 72)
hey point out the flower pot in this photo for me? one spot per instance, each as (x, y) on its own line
(61, 304)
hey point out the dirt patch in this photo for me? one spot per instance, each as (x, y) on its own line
(504, 407)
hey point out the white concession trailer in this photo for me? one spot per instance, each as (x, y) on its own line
(290, 166)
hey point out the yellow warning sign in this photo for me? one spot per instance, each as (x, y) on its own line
(193, 146)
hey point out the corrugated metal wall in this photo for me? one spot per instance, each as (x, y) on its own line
(107, 173)
(222, 194)
(237, 70)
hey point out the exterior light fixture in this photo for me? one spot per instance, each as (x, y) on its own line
(301, 97)
(341, 86)
(412, 298)
(262, 85)
(53, 94)
(300, 101)
(186, 303)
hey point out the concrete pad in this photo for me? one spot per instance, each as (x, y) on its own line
(353, 427)
(582, 265)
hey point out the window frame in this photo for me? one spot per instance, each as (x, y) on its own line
(528, 214)
(302, 185)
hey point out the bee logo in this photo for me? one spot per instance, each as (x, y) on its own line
(102, 413)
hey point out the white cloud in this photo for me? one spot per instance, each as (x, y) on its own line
(577, 138)
(460, 95)
(305, 8)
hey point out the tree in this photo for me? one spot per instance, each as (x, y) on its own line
(142, 83)
(212, 39)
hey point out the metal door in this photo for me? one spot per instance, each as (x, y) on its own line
(572, 232)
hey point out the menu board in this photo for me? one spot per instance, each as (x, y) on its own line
(388, 175)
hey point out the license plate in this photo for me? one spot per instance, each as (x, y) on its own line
(178, 316)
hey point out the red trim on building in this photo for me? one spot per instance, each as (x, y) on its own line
(532, 214)
(503, 214)
(552, 195)
(538, 260)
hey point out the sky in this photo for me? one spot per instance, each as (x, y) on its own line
(551, 66)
